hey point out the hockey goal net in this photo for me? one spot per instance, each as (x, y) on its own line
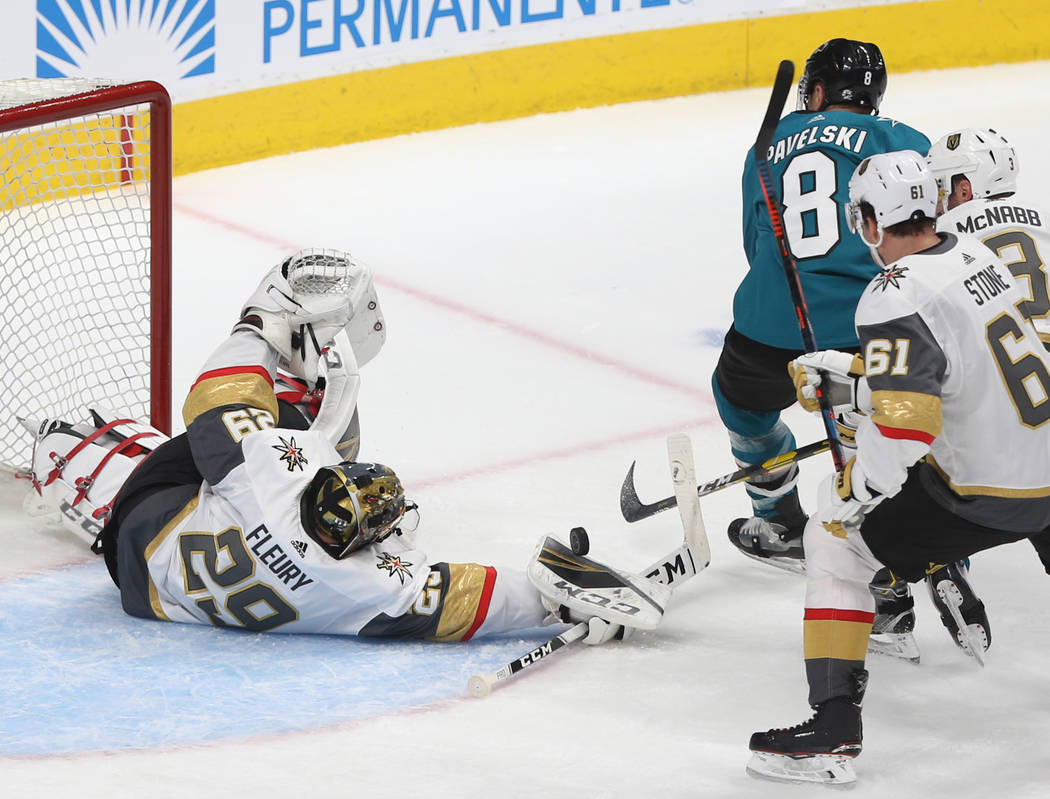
(85, 253)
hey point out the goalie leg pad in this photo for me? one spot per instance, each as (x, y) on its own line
(115, 426)
(588, 588)
(78, 471)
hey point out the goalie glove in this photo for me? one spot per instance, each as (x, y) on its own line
(845, 498)
(847, 387)
(302, 304)
(578, 589)
(599, 631)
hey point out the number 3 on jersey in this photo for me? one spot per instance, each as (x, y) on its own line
(811, 215)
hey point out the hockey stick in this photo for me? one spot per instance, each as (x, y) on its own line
(695, 553)
(633, 509)
(781, 87)
(674, 569)
(481, 684)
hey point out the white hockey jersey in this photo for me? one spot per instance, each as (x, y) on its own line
(1016, 231)
(957, 374)
(234, 553)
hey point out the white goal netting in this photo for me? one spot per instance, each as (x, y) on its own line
(76, 256)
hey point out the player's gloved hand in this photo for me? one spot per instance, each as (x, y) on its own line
(600, 631)
(300, 306)
(845, 498)
(846, 386)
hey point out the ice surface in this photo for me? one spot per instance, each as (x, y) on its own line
(555, 289)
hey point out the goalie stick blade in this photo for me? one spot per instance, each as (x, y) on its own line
(675, 568)
(683, 475)
(834, 770)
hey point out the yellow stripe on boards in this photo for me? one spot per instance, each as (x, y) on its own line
(581, 73)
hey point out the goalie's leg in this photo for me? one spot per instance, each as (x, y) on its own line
(79, 468)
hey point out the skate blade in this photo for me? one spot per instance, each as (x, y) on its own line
(793, 565)
(972, 642)
(832, 770)
(35, 507)
(894, 645)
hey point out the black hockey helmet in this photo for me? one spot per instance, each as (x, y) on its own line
(853, 73)
(348, 506)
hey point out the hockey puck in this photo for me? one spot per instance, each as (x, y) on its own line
(578, 541)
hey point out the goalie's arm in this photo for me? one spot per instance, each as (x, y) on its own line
(232, 396)
(461, 601)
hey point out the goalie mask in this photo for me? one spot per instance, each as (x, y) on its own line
(351, 505)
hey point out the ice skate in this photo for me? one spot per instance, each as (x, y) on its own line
(818, 750)
(891, 632)
(962, 613)
(776, 540)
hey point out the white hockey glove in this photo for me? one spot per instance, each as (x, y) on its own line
(847, 387)
(577, 589)
(845, 498)
(599, 630)
(302, 304)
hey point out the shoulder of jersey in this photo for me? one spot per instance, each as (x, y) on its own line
(1029, 215)
(900, 288)
(902, 136)
(946, 221)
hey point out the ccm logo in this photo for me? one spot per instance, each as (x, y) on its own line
(536, 654)
(597, 599)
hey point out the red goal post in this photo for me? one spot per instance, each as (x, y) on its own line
(85, 253)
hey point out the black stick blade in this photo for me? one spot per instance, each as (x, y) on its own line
(632, 508)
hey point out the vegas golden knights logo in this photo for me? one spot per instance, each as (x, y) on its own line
(953, 141)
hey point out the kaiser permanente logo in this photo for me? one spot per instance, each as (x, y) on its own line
(164, 39)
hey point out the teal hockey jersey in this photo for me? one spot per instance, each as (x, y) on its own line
(812, 157)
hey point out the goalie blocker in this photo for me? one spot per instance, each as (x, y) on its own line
(579, 589)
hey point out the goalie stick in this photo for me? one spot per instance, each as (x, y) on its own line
(781, 87)
(633, 509)
(683, 563)
(481, 684)
(695, 553)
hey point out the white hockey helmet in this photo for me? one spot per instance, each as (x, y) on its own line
(983, 156)
(898, 186)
